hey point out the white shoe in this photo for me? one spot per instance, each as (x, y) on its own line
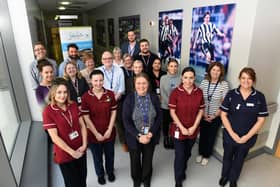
(198, 159)
(204, 161)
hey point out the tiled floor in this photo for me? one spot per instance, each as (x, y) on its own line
(262, 171)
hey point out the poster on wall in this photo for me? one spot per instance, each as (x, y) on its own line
(170, 35)
(111, 32)
(100, 33)
(126, 24)
(82, 36)
(211, 36)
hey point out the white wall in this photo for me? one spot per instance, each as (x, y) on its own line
(23, 35)
(264, 57)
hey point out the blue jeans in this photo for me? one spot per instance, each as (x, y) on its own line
(97, 150)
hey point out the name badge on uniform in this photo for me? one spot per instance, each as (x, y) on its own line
(176, 134)
(158, 91)
(238, 106)
(79, 99)
(250, 104)
(145, 130)
(73, 135)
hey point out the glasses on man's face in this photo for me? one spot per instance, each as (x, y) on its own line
(109, 58)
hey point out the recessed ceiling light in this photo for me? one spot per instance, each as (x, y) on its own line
(65, 3)
(61, 8)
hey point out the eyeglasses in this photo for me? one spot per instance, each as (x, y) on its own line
(110, 58)
(39, 49)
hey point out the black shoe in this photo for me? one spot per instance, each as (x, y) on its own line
(147, 184)
(111, 177)
(233, 184)
(178, 184)
(136, 184)
(101, 180)
(223, 181)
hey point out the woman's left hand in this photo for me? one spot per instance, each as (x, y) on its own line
(191, 130)
(108, 133)
(82, 149)
(243, 139)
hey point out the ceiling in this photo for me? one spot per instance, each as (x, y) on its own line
(77, 6)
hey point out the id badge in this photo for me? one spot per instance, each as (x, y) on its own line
(79, 99)
(176, 134)
(146, 130)
(158, 91)
(73, 135)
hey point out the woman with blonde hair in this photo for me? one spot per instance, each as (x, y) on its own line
(77, 84)
(64, 123)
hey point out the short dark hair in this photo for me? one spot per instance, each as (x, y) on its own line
(144, 40)
(206, 13)
(42, 63)
(72, 45)
(131, 30)
(188, 69)
(96, 72)
(143, 75)
(39, 43)
(249, 71)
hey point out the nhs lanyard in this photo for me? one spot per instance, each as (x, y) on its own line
(144, 106)
(107, 76)
(70, 120)
(76, 85)
(209, 96)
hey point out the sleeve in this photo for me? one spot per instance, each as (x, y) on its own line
(34, 81)
(61, 69)
(173, 99)
(226, 103)
(114, 104)
(48, 121)
(225, 88)
(39, 97)
(202, 104)
(127, 116)
(156, 126)
(84, 106)
(162, 86)
(263, 112)
(122, 83)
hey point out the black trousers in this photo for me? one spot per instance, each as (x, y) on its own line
(141, 163)
(166, 120)
(233, 160)
(183, 149)
(208, 134)
(75, 172)
(119, 122)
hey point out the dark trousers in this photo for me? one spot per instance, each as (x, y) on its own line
(233, 160)
(75, 172)
(208, 134)
(97, 150)
(141, 163)
(183, 149)
(166, 120)
(119, 122)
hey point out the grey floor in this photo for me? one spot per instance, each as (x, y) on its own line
(262, 171)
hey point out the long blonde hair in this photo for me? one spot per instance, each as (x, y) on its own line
(55, 84)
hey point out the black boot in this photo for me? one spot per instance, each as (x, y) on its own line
(233, 184)
(223, 181)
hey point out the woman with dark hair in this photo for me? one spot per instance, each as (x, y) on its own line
(186, 109)
(155, 76)
(64, 123)
(214, 90)
(142, 117)
(243, 114)
(100, 108)
(168, 83)
(76, 82)
(46, 72)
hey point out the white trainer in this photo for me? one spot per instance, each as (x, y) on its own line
(198, 159)
(204, 161)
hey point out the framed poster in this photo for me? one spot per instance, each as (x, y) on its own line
(126, 24)
(211, 36)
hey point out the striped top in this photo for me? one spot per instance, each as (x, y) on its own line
(213, 95)
(207, 31)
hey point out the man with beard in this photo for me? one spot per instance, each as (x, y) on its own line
(131, 46)
(145, 55)
(72, 55)
(40, 53)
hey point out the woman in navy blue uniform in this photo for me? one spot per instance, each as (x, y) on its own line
(243, 114)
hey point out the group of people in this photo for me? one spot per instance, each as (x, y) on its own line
(82, 106)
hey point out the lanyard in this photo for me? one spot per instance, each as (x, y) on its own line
(209, 96)
(172, 83)
(69, 121)
(144, 105)
(144, 60)
(107, 76)
(76, 86)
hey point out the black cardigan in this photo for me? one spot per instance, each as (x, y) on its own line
(130, 130)
(82, 86)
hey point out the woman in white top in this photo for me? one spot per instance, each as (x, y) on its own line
(214, 90)
(117, 53)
